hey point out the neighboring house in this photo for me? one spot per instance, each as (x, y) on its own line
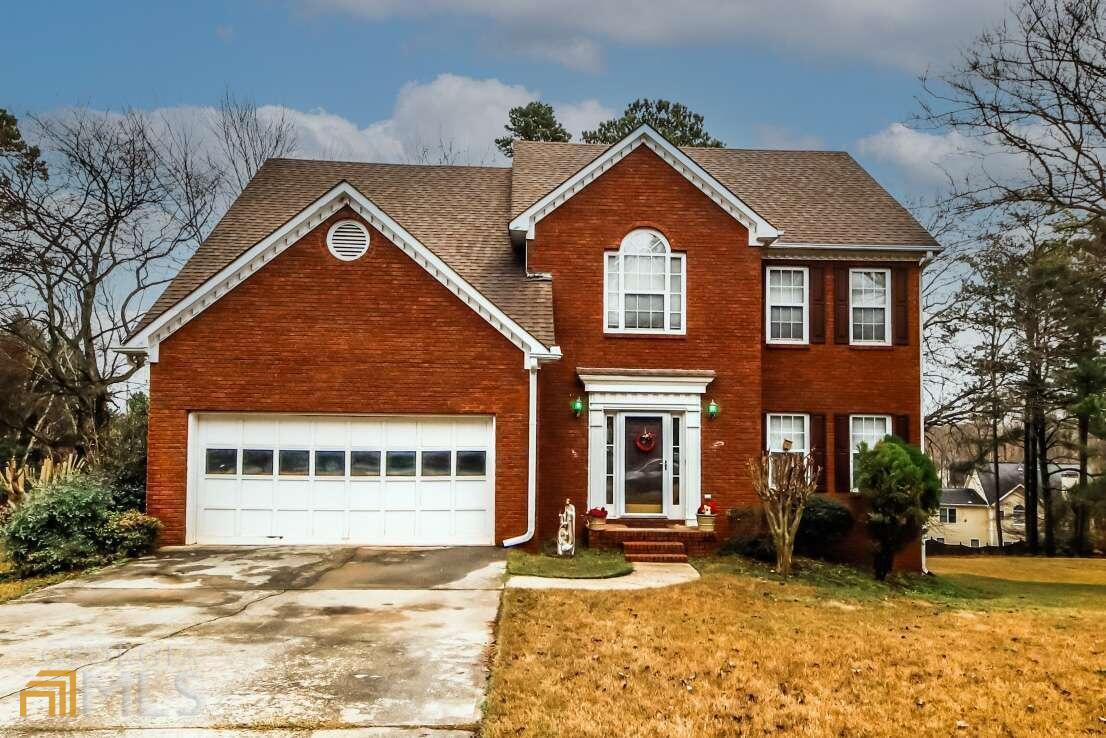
(393, 354)
(967, 514)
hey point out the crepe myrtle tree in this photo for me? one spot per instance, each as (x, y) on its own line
(903, 491)
(784, 481)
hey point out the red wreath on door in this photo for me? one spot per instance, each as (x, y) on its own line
(646, 441)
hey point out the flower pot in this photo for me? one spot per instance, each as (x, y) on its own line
(597, 523)
(706, 523)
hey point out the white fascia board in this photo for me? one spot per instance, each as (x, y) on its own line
(857, 247)
(290, 233)
(651, 384)
(761, 232)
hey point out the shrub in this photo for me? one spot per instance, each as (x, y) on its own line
(749, 535)
(73, 523)
(825, 522)
(130, 533)
(121, 456)
(903, 491)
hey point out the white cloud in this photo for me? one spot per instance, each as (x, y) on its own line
(909, 34)
(462, 114)
(931, 158)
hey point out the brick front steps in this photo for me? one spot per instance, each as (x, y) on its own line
(658, 541)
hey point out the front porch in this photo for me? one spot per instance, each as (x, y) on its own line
(653, 540)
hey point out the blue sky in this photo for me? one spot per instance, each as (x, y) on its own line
(371, 78)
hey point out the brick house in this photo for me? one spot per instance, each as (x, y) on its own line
(377, 353)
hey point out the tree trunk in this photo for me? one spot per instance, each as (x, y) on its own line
(994, 468)
(884, 561)
(1046, 484)
(1029, 479)
(1081, 522)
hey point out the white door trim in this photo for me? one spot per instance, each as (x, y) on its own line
(678, 394)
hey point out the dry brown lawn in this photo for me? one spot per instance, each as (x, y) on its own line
(738, 653)
(1024, 569)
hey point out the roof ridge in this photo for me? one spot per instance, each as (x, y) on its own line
(481, 167)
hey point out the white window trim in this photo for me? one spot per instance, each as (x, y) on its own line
(853, 447)
(768, 306)
(669, 254)
(768, 430)
(886, 310)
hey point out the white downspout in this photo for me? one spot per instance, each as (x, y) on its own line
(532, 459)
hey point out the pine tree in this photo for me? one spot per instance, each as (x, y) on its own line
(534, 121)
(673, 120)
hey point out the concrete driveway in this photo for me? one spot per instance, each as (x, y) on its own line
(296, 641)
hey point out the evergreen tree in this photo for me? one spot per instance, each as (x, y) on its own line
(673, 120)
(534, 121)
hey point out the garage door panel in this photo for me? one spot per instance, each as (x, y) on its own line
(366, 495)
(325, 479)
(436, 495)
(329, 495)
(471, 495)
(255, 523)
(257, 494)
(399, 526)
(365, 525)
(220, 492)
(219, 523)
(400, 495)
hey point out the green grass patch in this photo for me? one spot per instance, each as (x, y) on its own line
(588, 563)
(959, 590)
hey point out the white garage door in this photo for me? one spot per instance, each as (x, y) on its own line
(342, 479)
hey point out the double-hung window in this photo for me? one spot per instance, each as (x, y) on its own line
(787, 427)
(645, 286)
(870, 306)
(866, 429)
(948, 514)
(787, 311)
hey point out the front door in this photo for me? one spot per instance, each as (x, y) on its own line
(646, 453)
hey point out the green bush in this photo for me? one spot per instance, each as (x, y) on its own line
(824, 523)
(73, 523)
(903, 491)
(121, 456)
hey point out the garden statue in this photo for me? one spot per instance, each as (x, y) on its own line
(566, 535)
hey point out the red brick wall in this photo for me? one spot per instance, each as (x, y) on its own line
(835, 379)
(723, 330)
(309, 333)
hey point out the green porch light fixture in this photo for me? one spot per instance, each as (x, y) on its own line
(712, 409)
(577, 406)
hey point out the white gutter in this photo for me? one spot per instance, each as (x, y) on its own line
(531, 461)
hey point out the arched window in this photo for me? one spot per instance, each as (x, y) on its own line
(1019, 515)
(644, 285)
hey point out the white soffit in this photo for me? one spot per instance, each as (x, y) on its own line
(761, 232)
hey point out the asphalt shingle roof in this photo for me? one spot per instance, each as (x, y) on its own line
(960, 497)
(462, 213)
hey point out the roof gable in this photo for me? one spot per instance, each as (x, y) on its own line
(164, 324)
(760, 230)
(817, 198)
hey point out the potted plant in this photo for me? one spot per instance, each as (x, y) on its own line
(597, 518)
(705, 514)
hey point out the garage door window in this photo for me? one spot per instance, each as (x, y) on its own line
(258, 462)
(400, 464)
(364, 463)
(437, 463)
(294, 463)
(472, 463)
(330, 463)
(222, 461)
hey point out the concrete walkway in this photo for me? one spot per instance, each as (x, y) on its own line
(645, 575)
(308, 641)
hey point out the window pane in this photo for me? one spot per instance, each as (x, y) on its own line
(222, 461)
(675, 461)
(257, 461)
(472, 463)
(400, 464)
(330, 463)
(294, 463)
(787, 427)
(364, 463)
(437, 463)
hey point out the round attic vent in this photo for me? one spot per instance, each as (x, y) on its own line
(347, 240)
